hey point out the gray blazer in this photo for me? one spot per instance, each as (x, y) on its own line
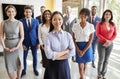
(67, 26)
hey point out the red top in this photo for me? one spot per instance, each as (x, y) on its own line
(104, 34)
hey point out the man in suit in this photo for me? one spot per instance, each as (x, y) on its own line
(39, 18)
(30, 38)
(94, 19)
(69, 20)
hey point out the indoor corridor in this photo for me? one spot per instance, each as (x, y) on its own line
(91, 73)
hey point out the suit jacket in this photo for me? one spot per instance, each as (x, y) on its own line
(30, 34)
(39, 18)
(67, 26)
(97, 19)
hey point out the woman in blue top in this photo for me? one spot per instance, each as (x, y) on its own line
(83, 35)
(59, 46)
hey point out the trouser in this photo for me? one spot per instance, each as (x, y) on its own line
(44, 58)
(103, 54)
(34, 54)
(94, 45)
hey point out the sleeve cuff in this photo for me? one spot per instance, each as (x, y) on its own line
(53, 57)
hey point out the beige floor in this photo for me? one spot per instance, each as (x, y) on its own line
(91, 73)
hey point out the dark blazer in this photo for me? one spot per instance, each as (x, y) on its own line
(30, 35)
(39, 18)
(67, 26)
(97, 19)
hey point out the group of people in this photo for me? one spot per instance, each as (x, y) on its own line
(59, 38)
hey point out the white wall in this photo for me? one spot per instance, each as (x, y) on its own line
(58, 5)
(36, 3)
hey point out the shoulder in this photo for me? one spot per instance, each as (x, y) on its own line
(67, 34)
(38, 16)
(23, 19)
(89, 25)
(75, 25)
(35, 20)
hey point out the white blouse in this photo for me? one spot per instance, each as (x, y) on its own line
(82, 34)
(42, 33)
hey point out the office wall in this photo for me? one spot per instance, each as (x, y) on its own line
(35, 3)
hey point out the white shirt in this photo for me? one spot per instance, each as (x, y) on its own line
(82, 34)
(29, 20)
(42, 33)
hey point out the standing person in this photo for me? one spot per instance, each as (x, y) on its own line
(39, 18)
(30, 38)
(106, 33)
(12, 44)
(42, 33)
(83, 36)
(94, 19)
(69, 21)
(59, 47)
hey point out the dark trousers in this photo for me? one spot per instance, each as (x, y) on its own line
(34, 54)
(103, 54)
(94, 45)
(44, 58)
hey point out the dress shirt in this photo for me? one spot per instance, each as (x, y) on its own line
(82, 34)
(27, 21)
(58, 42)
(42, 33)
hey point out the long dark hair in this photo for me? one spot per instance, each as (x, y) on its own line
(43, 16)
(51, 25)
(103, 19)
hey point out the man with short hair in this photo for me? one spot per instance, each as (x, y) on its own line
(39, 18)
(94, 19)
(30, 39)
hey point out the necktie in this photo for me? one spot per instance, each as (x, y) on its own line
(92, 19)
(29, 25)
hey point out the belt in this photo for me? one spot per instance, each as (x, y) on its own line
(11, 38)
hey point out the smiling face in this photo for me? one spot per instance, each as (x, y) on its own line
(11, 12)
(93, 10)
(57, 21)
(83, 17)
(28, 13)
(107, 16)
(47, 15)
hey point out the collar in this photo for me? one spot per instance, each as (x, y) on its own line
(60, 32)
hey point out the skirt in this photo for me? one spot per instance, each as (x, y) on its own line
(88, 55)
(58, 69)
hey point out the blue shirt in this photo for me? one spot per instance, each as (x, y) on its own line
(57, 42)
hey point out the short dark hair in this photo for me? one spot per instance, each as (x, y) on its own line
(42, 7)
(28, 7)
(85, 11)
(94, 6)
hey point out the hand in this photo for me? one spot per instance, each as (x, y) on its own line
(67, 50)
(80, 53)
(42, 47)
(24, 47)
(107, 43)
(38, 46)
(7, 49)
(13, 49)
